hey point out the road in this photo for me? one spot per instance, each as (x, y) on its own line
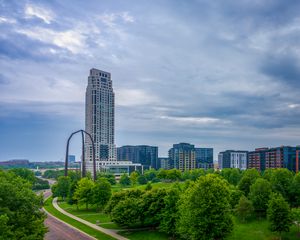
(58, 230)
(61, 231)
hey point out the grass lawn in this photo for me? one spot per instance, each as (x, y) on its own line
(258, 230)
(90, 215)
(144, 235)
(118, 187)
(99, 235)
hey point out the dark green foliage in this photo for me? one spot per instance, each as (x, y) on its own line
(173, 175)
(40, 184)
(244, 209)
(84, 192)
(249, 177)
(142, 180)
(150, 174)
(101, 192)
(148, 186)
(281, 181)
(279, 214)
(125, 180)
(169, 215)
(295, 191)
(109, 176)
(63, 187)
(205, 210)
(20, 215)
(232, 175)
(152, 205)
(72, 190)
(260, 193)
(53, 174)
(127, 212)
(235, 195)
(25, 174)
(119, 196)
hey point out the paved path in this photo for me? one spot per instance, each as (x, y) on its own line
(106, 231)
(59, 230)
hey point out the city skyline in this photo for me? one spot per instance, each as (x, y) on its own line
(220, 75)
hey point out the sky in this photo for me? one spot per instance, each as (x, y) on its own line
(222, 74)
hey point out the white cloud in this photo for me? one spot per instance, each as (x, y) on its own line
(32, 11)
(7, 20)
(194, 120)
(133, 97)
(72, 40)
(127, 17)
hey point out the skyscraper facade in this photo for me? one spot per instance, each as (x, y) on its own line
(182, 156)
(143, 154)
(99, 117)
(233, 159)
(204, 158)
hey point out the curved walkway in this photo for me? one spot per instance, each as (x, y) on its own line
(59, 230)
(106, 231)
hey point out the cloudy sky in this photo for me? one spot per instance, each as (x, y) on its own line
(222, 74)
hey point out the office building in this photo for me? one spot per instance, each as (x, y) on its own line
(204, 157)
(233, 159)
(164, 163)
(100, 124)
(257, 159)
(182, 156)
(143, 154)
(278, 157)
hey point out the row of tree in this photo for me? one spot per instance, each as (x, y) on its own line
(20, 214)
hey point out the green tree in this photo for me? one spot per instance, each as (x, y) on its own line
(134, 178)
(162, 173)
(235, 195)
(142, 179)
(125, 180)
(150, 174)
(244, 209)
(63, 187)
(83, 193)
(279, 214)
(173, 175)
(260, 193)
(169, 215)
(296, 217)
(25, 174)
(127, 212)
(20, 215)
(281, 181)
(249, 177)
(152, 204)
(295, 191)
(109, 176)
(204, 210)
(101, 193)
(148, 186)
(71, 200)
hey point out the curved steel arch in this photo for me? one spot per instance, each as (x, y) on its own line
(83, 171)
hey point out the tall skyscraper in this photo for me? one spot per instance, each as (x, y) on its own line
(99, 117)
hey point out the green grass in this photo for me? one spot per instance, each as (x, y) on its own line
(99, 235)
(258, 230)
(118, 187)
(90, 215)
(144, 235)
